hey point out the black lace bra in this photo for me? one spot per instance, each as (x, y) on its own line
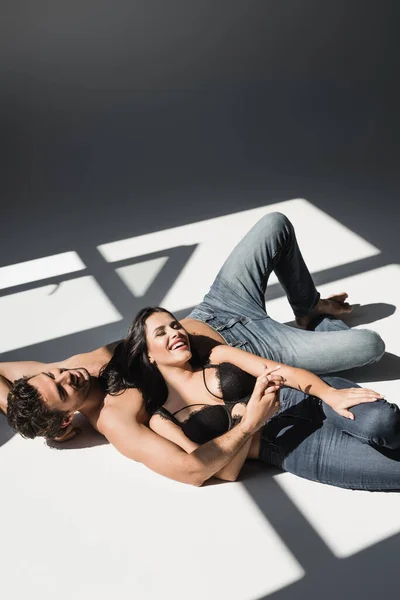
(214, 420)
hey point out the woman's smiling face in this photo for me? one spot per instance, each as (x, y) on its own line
(167, 340)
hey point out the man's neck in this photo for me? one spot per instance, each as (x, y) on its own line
(95, 400)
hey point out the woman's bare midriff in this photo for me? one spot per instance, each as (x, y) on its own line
(254, 450)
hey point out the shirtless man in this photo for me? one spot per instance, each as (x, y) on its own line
(233, 312)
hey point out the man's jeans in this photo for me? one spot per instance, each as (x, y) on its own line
(235, 306)
(308, 438)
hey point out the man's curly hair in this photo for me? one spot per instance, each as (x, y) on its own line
(27, 413)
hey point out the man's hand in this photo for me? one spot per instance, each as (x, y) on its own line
(342, 400)
(264, 401)
(68, 434)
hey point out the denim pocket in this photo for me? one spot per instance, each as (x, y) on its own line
(230, 326)
(219, 322)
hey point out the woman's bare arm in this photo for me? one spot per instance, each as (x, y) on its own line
(299, 379)
(172, 432)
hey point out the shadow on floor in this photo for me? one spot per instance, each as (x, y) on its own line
(87, 438)
(6, 433)
(387, 369)
(364, 314)
(358, 576)
(369, 313)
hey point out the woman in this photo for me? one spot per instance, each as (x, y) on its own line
(313, 433)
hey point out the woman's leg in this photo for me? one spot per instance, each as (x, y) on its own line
(315, 443)
(375, 423)
(235, 305)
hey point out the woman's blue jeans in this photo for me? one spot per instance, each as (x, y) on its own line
(235, 305)
(306, 437)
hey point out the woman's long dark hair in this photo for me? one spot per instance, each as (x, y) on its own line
(130, 366)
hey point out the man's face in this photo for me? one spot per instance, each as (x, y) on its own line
(63, 389)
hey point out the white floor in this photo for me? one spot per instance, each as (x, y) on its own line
(84, 522)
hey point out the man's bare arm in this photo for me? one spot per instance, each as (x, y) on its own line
(138, 442)
(5, 386)
(9, 371)
(15, 370)
(170, 431)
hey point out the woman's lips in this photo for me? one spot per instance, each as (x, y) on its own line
(182, 344)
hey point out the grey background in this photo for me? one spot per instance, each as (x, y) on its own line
(123, 118)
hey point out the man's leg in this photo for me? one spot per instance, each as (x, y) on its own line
(235, 305)
(270, 245)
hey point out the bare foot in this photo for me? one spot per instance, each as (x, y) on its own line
(335, 306)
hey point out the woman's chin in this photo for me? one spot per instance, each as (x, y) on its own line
(181, 358)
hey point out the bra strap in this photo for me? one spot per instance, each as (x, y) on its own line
(163, 412)
(188, 406)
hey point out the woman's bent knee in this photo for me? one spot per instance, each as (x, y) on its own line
(381, 423)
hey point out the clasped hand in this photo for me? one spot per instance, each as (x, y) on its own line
(264, 401)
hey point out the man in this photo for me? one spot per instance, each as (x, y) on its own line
(233, 312)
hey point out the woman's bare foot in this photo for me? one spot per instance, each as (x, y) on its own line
(335, 306)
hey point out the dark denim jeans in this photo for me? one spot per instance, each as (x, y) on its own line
(235, 305)
(306, 437)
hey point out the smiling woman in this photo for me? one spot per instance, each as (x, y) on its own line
(167, 340)
(154, 338)
(159, 358)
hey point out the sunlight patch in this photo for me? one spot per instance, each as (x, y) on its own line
(52, 311)
(40, 268)
(348, 521)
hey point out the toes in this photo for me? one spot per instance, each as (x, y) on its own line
(342, 308)
(339, 297)
(348, 307)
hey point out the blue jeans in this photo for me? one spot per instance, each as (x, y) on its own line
(306, 437)
(235, 305)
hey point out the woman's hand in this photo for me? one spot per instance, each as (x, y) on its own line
(342, 400)
(264, 401)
